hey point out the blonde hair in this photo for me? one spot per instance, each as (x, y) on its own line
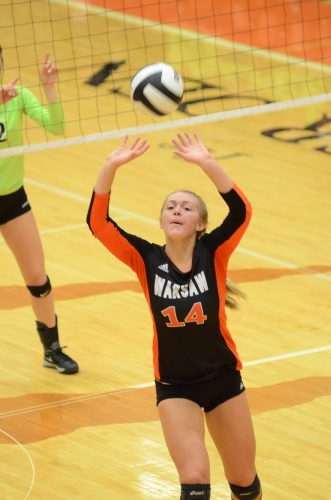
(233, 293)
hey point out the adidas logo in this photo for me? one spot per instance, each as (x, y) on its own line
(164, 267)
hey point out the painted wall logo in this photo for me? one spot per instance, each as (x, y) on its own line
(200, 97)
(319, 131)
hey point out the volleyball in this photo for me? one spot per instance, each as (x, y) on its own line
(157, 89)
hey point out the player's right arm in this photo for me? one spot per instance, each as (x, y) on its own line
(124, 246)
(117, 241)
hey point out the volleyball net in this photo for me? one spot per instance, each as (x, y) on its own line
(236, 59)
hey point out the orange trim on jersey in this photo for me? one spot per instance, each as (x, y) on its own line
(298, 28)
(222, 256)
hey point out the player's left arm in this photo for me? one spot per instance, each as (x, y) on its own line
(225, 238)
(51, 118)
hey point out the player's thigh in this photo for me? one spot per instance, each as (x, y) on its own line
(183, 427)
(231, 428)
(22, 237)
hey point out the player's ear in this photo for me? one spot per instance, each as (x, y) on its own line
(201, 226)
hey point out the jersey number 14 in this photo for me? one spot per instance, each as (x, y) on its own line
(195, 315)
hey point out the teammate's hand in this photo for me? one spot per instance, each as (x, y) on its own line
(9, 91)
(49, 72)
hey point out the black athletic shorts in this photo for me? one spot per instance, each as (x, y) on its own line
(207, 394)
(12, 205)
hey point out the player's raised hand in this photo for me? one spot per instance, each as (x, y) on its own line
(48, 72)
(9, 91)
(127, 152)
(191, 148)
(120, 156)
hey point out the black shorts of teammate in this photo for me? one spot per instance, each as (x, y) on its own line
(207, 394)
(13, 205)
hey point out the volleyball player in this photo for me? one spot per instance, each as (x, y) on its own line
(17, 224)
(196, 364)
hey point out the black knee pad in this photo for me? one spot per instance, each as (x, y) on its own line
(247, 492)
(195, 492)
(40, 291)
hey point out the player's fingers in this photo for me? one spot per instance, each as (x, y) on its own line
(188, 137)
(182, 139)
(50, 67)
(197, 138)
(9, 90)
(135, 142)
(13, 82)
(143, 147)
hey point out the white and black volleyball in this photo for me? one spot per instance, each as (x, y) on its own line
(157, 89)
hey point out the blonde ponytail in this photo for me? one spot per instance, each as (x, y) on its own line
(233, 293)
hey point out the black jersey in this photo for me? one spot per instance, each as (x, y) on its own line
(191, 340)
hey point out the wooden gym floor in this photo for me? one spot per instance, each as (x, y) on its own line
(96, 435)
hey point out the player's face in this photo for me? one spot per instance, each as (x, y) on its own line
(181, 216)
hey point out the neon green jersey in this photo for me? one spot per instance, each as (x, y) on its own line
(11, 133)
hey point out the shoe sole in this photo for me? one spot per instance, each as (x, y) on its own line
(63, 371)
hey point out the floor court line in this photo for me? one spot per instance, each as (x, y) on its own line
(33, 471)
(128, 214)
(71, 227)
(246, 251)
(69, 401)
